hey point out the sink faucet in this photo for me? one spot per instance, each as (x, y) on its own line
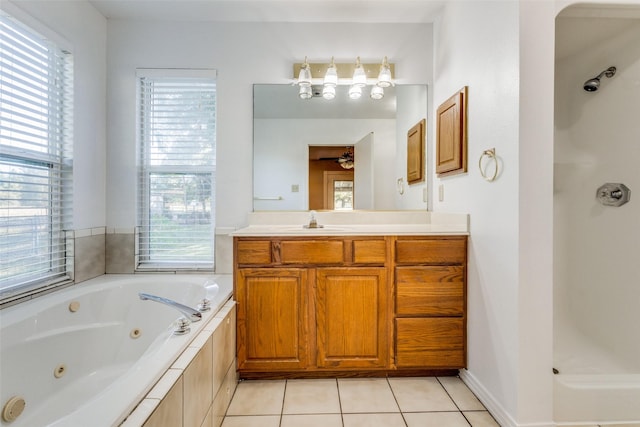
(313, 222)
(191, 313)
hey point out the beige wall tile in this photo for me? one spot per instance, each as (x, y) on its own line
(198, 393)
(224, 395)
(224, 347)
(169, 412)
(89, 261)
(224, 254)
(208, 419)
(119, 253)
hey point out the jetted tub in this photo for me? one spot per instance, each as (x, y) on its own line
(86, 355)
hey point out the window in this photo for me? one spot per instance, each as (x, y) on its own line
(177, 139)
(35, 161)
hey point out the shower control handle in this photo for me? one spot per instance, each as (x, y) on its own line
(613, 194)
(616, 194)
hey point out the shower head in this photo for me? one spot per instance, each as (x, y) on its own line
(593, 84)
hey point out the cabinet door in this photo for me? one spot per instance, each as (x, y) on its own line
(352, 315)
(272, 318)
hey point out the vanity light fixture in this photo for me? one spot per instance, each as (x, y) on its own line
(357, 76)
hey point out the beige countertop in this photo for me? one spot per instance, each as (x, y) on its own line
(355, 224)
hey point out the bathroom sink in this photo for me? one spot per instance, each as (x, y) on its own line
(302, 228)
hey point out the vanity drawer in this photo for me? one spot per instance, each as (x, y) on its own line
(369, 251)
(253, 252)
(432, 250)
(311, 251)
(430, 342)
(430, 291)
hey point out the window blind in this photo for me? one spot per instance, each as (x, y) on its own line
(36, 106)
(177, 126)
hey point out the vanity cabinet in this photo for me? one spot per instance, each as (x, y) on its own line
(348, 305)
(430, 303)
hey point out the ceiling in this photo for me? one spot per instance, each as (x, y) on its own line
(361, 11)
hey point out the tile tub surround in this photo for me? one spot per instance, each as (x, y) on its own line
(197, 389)
(120, 251)
(366, 402)
(355, 223)
(89, 253)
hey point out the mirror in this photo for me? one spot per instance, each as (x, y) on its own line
(285, 127)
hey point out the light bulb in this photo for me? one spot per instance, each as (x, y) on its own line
(328, 92)
(377, 92)
(304, 77)
(331, 76)
(359, 76)
(384, 78)
(305, 92)
(355, 92)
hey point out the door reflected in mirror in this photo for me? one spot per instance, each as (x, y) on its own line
(328, 178)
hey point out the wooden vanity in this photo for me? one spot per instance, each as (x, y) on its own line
(317, 305)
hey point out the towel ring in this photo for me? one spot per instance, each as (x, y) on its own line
(492, 155)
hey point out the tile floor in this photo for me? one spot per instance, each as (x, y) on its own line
(357, 402)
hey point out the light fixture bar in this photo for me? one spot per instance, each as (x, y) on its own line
(344, 70)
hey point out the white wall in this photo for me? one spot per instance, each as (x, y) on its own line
(282, 151)
(243, 54)
(511, 244)
(472, 49)
(597, 141)
(83, 30)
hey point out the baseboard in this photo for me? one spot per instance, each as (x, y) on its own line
(501, 416)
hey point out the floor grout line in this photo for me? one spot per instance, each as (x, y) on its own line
(341, 408)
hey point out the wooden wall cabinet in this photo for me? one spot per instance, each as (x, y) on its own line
(451, 135)
(326, 306)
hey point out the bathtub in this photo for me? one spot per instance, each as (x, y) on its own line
(597, 399)
(86, 355)
(592, 385)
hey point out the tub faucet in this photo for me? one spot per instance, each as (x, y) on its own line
(191, 313)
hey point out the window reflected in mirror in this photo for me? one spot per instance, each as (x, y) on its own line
(343, 195)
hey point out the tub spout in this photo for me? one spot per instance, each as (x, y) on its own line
(191, 313)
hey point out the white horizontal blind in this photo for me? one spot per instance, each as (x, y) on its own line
(177, 125)
(35, 160)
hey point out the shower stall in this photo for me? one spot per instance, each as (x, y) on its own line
(597, 218)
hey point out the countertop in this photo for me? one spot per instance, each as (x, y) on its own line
(356, 224)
